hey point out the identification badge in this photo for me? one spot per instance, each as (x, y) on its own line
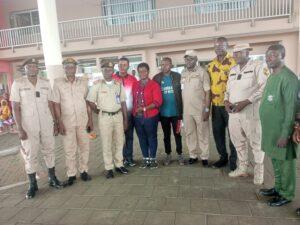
(118, 99)
(37, 94)
(270, 98)
(239, 77)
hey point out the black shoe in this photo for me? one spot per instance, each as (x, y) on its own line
(268, 192)
(70, 181)
(298, 212)
(278, 201)
(53, 181)
(220, 163)
(122, 170)
(153, 164)
(109, 174)
(85, 176)
(205, 163)
(145, 163)
(32, 186)
(192, 160)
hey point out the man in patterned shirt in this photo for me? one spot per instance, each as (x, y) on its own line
(218, 70)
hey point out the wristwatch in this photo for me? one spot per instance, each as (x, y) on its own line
(206, 109)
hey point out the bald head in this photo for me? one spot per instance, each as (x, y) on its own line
(221, 46)
(275, 56)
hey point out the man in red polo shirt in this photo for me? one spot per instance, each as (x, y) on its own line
(127, 80)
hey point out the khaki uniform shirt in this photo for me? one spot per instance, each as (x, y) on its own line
(108, 97)
(35, 112)
(71, 97)
(247, 83)
(194, 84)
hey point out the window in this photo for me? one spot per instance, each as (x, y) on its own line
(24, 18)
(111, 8)
(221, 5)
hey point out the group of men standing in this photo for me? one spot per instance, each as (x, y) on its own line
(255, 100)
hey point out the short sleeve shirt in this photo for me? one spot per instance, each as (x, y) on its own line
(108, 97)
(35, 112)
(194, 84)
(71, 97)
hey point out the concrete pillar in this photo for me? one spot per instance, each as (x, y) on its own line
(50, 38)
(150, 58)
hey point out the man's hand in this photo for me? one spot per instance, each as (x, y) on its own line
(22, 134)
(140, 109)
(90, 126)
(282, 142)
(125, 124)
(228, 106)
(62, 129)
(205, 116)
(296, 134)
(55, 129)
(239, 106)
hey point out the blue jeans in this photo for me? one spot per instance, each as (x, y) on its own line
(128, 146)
(146, 129)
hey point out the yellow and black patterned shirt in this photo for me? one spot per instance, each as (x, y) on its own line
(218, 72)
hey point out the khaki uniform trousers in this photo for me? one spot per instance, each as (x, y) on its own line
(112, 136)
(197, 132)
(244, 133)
(30, 150)
(76, 138)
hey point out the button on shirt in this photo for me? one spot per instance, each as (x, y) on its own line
(108, 97)
(194, 84)
(168, 108)
(219, 72)
(71, 97)
(35, 112)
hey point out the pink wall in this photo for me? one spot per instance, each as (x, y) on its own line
(5, 67)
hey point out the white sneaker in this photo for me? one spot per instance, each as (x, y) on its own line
(238, 173)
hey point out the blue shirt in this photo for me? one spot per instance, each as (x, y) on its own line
(168, 108)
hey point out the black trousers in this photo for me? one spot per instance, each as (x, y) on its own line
(219, 125)
(166, 123)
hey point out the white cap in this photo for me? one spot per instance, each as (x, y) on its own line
(240, 47)
(192, 53)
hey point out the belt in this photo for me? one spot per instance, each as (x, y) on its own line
(110, 113)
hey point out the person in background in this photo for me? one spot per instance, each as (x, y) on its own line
(107, 99)
(171, 109)
(74, 117)
(195, 84)
(219, 70)
(245, 86)
(127, 80)
(32, 101)
(147, 99)
(277, 114)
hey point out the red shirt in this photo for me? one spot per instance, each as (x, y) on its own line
(127, 82)
(151, 95)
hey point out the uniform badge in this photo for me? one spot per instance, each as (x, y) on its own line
(270, 98)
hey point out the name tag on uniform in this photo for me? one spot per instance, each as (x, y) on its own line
(37, 94)
(239, 77)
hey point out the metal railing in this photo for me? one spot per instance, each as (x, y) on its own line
(152, 21)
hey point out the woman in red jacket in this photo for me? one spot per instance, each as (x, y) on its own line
(147, 99)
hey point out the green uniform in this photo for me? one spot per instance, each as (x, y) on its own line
(277, 115)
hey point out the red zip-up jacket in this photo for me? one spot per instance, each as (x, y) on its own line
(152, 94)
(127, 82)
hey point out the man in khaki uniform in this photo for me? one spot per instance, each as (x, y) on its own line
(31, 98)
(74, 118)
(195, 84)
(244, 90)
(107, 98)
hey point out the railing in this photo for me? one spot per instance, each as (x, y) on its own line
(151, 21)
